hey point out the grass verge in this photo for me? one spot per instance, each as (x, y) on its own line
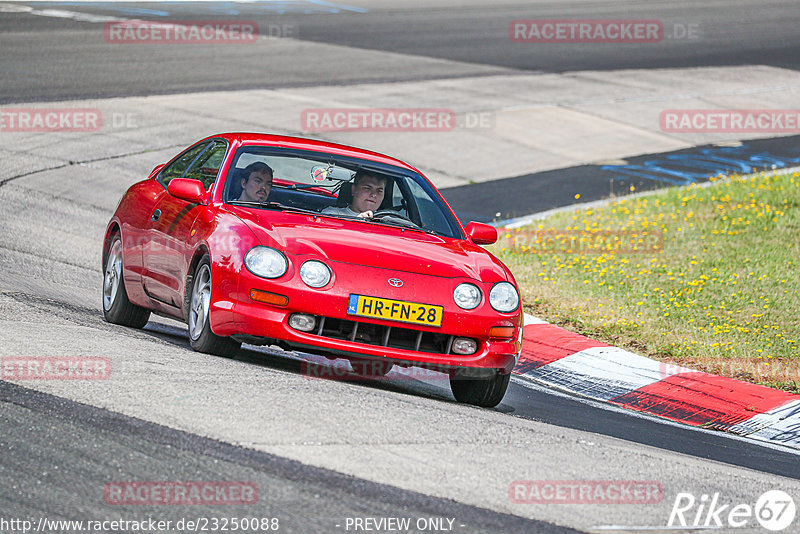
(705, 277)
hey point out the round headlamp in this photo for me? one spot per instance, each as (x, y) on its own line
(315, 273)
(266, 262)
(467, 296)
(504, 297)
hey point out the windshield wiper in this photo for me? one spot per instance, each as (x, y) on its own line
(299, 186)
(403, 227)
(272, 206)
(248, 203)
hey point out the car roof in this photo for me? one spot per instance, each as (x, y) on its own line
(301, 143)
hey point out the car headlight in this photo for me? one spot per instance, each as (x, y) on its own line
(315, 273)
(467, 296)
(266, 262)
(504, 297)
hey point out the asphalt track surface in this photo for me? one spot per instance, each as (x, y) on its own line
(539, 192)
(52, 58)
(51, 449)
(58, 451)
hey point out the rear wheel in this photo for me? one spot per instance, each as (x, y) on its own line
(201, 338)
(485, 392)
(117, 308)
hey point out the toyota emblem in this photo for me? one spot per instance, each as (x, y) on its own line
(395, 282)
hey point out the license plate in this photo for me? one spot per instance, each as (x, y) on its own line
(395, 310)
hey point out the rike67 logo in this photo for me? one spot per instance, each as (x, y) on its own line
(774, 510)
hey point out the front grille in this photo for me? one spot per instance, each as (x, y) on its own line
(384, 336)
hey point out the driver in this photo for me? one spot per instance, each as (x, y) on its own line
(256, 182)
(368, 191)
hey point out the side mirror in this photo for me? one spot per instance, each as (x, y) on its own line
(186, 189)
(481, 233)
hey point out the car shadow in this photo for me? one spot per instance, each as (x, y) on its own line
(414, 381)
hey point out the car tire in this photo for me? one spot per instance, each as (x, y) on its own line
(485, 392)
(370, 368)
(117, 308)
(201, 338)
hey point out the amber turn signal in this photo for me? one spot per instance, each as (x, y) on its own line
(268, 298)
(503, 332)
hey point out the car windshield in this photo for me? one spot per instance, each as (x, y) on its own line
(337, 186)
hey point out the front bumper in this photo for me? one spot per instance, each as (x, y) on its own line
(270, 323)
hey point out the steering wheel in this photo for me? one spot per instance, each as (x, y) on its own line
(395, 217)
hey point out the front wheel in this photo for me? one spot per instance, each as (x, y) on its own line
(117, 308)
(201, 338)
(485, 392)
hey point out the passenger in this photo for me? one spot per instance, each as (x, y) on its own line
(367, 191)
(256, 182)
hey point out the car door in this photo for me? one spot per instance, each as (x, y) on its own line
(166, 259)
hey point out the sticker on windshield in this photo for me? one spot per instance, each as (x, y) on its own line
(319, 174)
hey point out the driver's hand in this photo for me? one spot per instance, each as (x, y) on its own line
(365, 214)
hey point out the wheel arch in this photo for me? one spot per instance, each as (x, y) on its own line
(201, 251)
(111, 231)
(225, 242)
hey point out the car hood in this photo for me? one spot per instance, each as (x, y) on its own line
(371, 244)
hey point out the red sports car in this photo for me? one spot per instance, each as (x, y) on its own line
(308, 245)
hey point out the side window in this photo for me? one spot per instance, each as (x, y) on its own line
(206, 166)
(398, 199)
(179, 166)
